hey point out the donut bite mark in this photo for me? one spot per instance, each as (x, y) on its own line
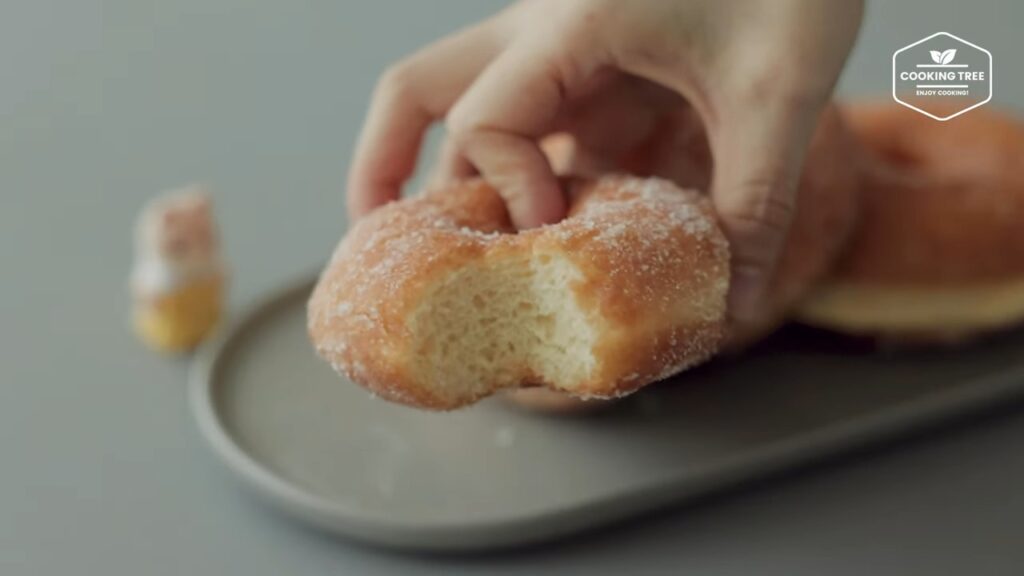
(435, 302)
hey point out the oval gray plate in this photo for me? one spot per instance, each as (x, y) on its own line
(493, 475)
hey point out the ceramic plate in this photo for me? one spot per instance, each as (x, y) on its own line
(493, 475)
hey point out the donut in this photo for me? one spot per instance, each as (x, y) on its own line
(938, 254)
(436, 302)
(825, 216)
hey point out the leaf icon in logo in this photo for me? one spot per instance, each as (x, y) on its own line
(944, 57)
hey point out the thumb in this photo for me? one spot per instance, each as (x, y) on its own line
(758, 157)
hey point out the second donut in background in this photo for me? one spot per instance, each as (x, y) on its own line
(938, 254)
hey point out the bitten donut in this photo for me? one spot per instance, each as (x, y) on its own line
(436, 302)
(939, 251)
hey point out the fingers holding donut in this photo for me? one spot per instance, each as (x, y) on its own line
(496, 126)
(409, 97)
(504, 86)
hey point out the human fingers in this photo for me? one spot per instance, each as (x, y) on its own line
(498, 121)
(758, 153)
(409, 97)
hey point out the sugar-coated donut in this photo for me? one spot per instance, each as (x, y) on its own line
(939, 251)
(436, 302)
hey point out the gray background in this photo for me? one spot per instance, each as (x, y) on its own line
(103, 103)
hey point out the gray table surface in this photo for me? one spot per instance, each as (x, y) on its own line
(104, 102)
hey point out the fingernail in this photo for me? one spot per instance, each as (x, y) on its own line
(533, 210)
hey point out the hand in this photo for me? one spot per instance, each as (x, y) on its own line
(754, 73)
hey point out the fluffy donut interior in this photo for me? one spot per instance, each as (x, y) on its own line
(501, 322)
